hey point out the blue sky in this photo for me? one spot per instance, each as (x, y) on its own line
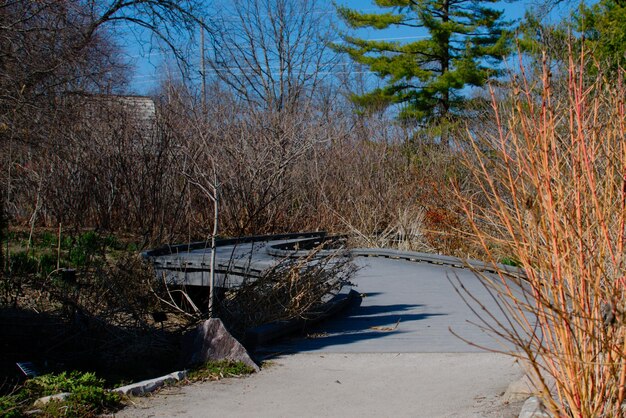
(152, 63)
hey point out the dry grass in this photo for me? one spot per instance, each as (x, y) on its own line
(405, 232)
(553, 195)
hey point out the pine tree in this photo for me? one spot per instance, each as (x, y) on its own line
(604, 29)
(425, 78)
(597, 31)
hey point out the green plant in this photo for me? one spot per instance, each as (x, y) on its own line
(510, 261)
(84, 248)
(604, 27)
(88, 397)
(426, 76)
(23, 264)
(10, 407)
(47, 240)
(50, 384)
(112, 242)
(215, 370)
(55, 408)
(47, 263)
(95, 396)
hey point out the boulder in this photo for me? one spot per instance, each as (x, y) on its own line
(527, 386)
(520, 390)
(211, 341)
(534, 408)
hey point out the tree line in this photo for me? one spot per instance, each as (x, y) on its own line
(291, 125)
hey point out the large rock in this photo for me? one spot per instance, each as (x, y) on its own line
(527, 386)
(534, 408)
(212, 341)
(520, 390)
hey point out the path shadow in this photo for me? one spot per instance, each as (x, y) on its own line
(371, 310)
(370, 294)
(356, 323)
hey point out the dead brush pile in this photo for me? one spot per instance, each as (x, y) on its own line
(293, 288)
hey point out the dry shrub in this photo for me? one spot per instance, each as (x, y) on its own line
(553, 182)
(100, 319)
(405, 232)
(117, 168)
(293, 288)
(384, 191)
(364, 187)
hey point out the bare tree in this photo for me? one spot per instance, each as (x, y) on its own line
(271, 53)
(49, 48)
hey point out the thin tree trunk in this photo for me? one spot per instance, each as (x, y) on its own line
(213, 248)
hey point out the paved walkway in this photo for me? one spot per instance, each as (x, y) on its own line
(427, 385)
(392, 356)
(407, 307)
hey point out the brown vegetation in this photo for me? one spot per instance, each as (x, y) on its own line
(553, 196)
(293, 156)
(276, 146)
(292, 289)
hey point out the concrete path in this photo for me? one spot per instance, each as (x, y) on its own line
(427, 385)
(392, 356)
(407, 307)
